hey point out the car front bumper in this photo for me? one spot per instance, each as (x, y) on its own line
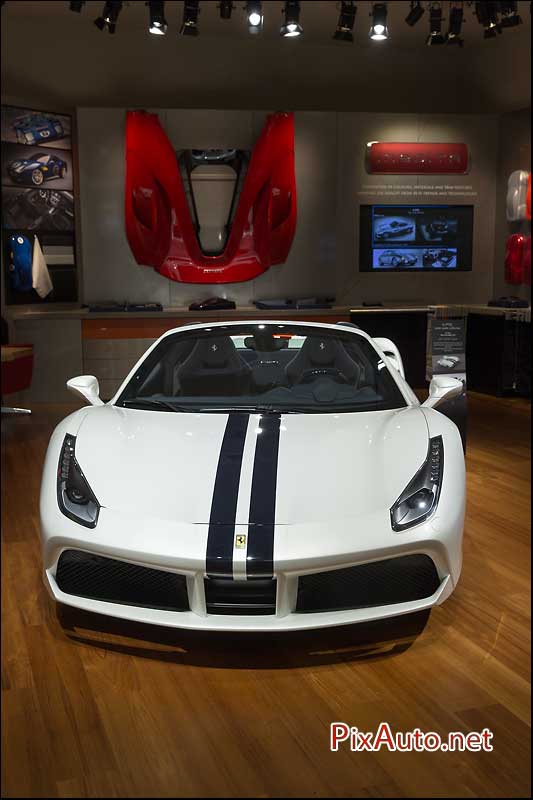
(161, 544)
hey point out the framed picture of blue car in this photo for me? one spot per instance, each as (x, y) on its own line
(35, 128)
(27, 166)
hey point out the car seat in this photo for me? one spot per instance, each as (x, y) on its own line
(214, 367)
(322, 354)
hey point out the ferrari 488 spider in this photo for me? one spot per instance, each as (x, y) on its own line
(256, 476)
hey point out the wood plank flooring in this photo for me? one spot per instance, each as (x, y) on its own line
(93, 707)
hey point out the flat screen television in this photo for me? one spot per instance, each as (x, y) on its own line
(398, 238)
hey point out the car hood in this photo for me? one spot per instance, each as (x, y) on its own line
(327, 466)
(24, 163)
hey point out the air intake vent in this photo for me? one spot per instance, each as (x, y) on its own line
(113, 581)
(382, 583)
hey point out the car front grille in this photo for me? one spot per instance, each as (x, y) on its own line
(393, 580)
(113, 581)
(252, 597)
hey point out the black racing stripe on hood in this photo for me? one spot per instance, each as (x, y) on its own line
(260, 554)
(219, 554)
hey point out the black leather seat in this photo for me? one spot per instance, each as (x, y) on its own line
(214, 367)
(322, 354)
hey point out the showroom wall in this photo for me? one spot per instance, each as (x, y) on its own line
(332, 183)
(514, 153)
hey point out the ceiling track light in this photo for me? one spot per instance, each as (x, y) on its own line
(416, 13)
(378, 29)
(158, 24)
(344, 31)
(109, 16)
(225, 7)
(77, 7)
(455, 24)
(291, 25)
(254, 16)
(191, 10)
(487, 14)
(510, 17)
(435, 25)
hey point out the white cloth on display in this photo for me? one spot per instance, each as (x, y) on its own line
(41, 280)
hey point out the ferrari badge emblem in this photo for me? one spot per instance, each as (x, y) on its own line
(240, 541)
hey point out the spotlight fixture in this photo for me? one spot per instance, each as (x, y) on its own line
(158, 23)
(456, 23)
(510, 16)
(344, 31)
(435, 25)
(416, 13)
(191, 9)
(225, 7)
(109, 16)
(291, 26)
(77, 7)
(487, 14)
(254, 17)
(378, 29)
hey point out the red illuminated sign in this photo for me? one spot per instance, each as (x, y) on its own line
(416, 158)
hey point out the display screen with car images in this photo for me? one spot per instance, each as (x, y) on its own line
(405, 238)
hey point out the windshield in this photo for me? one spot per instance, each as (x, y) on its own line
(263, 367)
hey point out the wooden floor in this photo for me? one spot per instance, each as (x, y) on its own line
(94, 707)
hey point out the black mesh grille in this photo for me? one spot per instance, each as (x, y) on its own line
(99, 578)
(252, 597)
(394, 580)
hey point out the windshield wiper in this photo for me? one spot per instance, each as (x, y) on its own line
(250, 410)
(152, 401)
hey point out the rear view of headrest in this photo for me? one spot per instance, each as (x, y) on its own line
(214, 352)
(322, 351)
(517, 190)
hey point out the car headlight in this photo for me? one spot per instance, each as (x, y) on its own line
(74, 495)
(420, 497)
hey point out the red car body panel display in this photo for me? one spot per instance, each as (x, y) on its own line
(416, 158)
(514, 259)
(526, 261)
(159, 225)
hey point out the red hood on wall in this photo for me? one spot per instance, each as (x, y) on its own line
(159, 225)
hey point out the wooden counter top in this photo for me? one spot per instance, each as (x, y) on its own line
(182, 312)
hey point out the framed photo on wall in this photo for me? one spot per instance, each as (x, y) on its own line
(38, 202)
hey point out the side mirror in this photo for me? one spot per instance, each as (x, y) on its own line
(86, 386)
(442, 388)
(392, 353)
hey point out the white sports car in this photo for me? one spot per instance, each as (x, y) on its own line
(256, 476)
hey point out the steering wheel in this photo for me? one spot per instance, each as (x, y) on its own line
(309, 375)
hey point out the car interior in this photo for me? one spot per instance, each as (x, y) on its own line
(289, 370)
